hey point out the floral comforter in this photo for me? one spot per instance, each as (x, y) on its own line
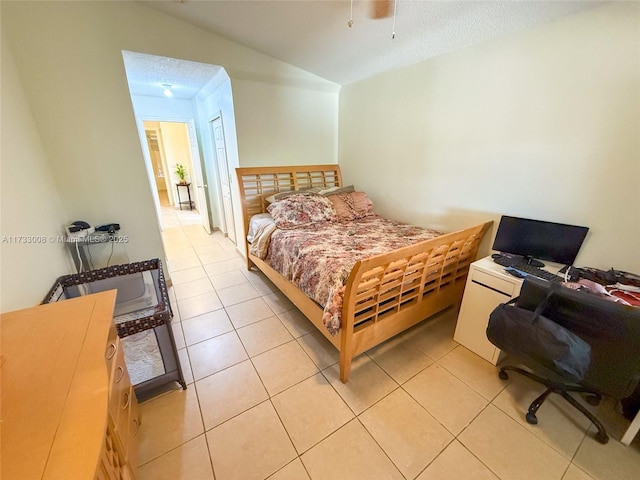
(318, 258)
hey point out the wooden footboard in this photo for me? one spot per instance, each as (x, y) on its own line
(385, 294)
(389, 293)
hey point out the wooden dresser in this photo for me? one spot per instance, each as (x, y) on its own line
(68, 408)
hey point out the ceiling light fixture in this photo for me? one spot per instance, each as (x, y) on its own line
(167, 90)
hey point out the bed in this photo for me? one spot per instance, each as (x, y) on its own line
(383, 294)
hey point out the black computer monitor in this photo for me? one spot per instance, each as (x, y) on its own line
(537, 239)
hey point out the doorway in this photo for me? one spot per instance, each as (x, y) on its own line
(170, 145)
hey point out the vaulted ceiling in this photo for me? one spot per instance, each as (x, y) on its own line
(314, 34)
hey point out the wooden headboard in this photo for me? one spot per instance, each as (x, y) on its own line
(256, 183)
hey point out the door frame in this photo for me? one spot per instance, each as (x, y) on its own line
(225, 220)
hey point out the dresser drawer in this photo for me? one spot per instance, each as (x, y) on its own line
(112, 348)
(119, 382)
(134, 427)
(125, 400)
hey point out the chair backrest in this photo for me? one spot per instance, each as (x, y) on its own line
(612, 329)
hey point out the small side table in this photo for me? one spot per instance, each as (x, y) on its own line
(190, 203)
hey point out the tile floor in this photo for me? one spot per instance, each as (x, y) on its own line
(264, 399)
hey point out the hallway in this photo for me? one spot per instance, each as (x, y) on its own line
(172, 216)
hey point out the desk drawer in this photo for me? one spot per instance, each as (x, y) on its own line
(494, 283)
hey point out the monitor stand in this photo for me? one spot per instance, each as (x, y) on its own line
(533, 262)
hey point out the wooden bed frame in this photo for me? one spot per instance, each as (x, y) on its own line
(385, 294)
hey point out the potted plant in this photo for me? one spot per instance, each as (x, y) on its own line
(181, 172)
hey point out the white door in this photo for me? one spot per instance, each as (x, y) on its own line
(198, 180)
(225, 177)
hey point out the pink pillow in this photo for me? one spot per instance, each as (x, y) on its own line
(351, 206)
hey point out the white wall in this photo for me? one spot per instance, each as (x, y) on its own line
(69, 60)
(306, 122)
(31, 208)
(541, 124)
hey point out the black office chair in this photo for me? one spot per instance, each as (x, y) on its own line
(610, 364)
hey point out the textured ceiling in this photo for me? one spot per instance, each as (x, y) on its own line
(313, 34)
(146, 75)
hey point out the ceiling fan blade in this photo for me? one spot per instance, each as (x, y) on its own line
(380, 8)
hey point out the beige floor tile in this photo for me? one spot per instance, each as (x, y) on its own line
(399, 359)
(509, 450)
(613, 460)
(251, 311)
(228, 393)
(198, 305)
(189, 461)
(559, 424)
(456, 463)
(207, 248)
(575, 473)
(193, 288)
(185, 364)
(278, 302)
(251, 446)
(167, 422)
(293, 471)
(261, 283)
(263, 335)
(217, 268)
(296, 322)
(367, 383)
(196, 232)
(237, 294)
(228, 279)
(447, 398)
(406, 432)
(187, 275)
(283, 367)
(203, 327)
(474, 371)
(349, 454)
(182, 263)
(434, 336)
(215, 257)
(176, 248)
(216, 354)
(321, 351)
(310, 411)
